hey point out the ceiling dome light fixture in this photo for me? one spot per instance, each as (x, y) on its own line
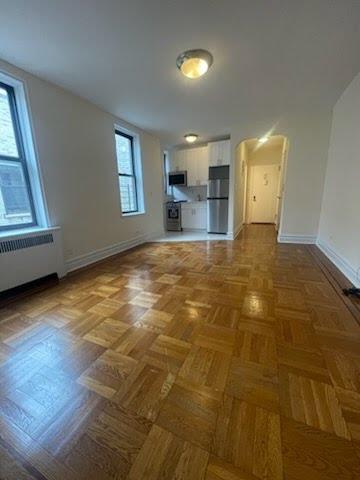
(194, 63)
(263, 139)
(191, 137)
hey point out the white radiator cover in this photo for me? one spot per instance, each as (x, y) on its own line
(27, 256)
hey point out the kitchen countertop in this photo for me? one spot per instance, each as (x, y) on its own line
(195, 202)
(186, 202)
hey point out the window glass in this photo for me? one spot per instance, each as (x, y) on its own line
(124, 155)
(8, 145)
(127, 172)
(128, 194)
(15, 207)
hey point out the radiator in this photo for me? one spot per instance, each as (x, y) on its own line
(28, 256)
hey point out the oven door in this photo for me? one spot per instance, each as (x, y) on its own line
(173, 218)
(173, 213)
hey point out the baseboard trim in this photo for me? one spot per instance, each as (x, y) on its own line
(302, 239)
(340, 262)
(237, 231)
(102, 253)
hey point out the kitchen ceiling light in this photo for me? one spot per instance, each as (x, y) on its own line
(263, 139)
(194, 63)
(191, 137)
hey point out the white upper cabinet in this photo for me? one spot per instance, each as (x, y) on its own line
(191, 167)
(195, 161)
(203, 166)
(219, 153)
(178, 161)
(197, 166)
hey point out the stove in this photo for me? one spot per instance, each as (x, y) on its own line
(173, 216)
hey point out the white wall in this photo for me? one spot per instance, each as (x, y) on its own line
(339, 233)
(76, 151)
(240, 173)
(266, 155)
(308, 135)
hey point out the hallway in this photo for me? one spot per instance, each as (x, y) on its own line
(189, 361)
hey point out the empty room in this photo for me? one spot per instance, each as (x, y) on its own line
(180, 240)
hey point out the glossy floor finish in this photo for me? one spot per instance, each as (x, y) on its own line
(202, 361)
(191, 236)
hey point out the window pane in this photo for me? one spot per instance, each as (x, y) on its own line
(14, 198)
(128, 194)
(124, 155)
(8, 145)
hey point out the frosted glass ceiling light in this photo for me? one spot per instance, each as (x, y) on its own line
(194, 63)
(191, 137)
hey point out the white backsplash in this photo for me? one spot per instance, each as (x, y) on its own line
(190, 194)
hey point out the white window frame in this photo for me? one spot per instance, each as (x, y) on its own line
(137, 162)
(31, 158)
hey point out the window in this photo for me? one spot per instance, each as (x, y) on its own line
(16, 201)
(129, 173)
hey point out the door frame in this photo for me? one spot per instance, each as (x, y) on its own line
(280, 189)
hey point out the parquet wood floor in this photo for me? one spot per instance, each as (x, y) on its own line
(183, 361)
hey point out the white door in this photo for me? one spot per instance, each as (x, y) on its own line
(264, 180)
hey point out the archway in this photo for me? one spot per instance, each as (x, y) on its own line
(260, 171)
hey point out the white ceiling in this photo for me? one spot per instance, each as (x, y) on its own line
(271, 55)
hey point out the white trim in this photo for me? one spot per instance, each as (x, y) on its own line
(302, 239)
(28, 138)
(237, 231)
(138, 167)
(26, 232)
(340, 262)
(132, 214)
(92, 257)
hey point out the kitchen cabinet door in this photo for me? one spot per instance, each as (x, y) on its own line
(201, 218)
(182, 160)
(178, 161)
(197, 166)
(174, 162)
(203, 166)
(225, 153)
(213, 154)
(194, 216)
(191, 165)
(187, 218)
(219, 153)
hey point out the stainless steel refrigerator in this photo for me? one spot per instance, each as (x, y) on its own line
(218, 199)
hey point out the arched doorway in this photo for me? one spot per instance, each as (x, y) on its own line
(260, 166)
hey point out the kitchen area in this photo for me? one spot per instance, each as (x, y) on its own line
(197, 192)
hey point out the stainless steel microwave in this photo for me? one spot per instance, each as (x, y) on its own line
(178, 178)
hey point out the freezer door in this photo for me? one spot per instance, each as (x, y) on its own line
(219, 172)
(217, 221)
(218, 189)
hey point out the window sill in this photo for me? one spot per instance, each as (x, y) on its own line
(25, 231)
(133, 214)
